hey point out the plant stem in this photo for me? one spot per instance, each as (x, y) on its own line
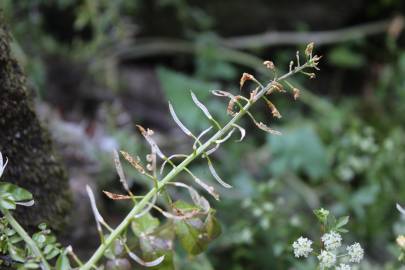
(176, 170)
(27, 239)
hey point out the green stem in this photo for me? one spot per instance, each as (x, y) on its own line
(175, 171)
(27, 239)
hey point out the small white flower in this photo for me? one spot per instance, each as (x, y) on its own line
(326, 259)
(343, 266)
(331, 240)
(302, 247)
(356, 253)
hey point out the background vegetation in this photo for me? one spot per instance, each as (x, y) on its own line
(100, 67)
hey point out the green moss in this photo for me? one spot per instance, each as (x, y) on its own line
(33, 164)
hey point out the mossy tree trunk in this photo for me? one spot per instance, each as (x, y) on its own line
(27, 145)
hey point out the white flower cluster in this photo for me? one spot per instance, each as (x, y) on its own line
(331, 240)
(328, 256)
(356, 253)
(343, 266)
(302, 247)
(326, 259)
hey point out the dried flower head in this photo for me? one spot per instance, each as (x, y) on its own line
(273, 109)
(276, 86)
(309, 49)
(296, 93)
(269, 64)
(246, 77)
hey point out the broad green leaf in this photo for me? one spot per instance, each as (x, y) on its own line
(62, 263)
(16, 253)
(7, 201)
(299, 149)
(342, 221)
(158, 244)
(184, 207)
(191, 235)
(212, 226)
(19, 194)
(146, 224)
(31, 265)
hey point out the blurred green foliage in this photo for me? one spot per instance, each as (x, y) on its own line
(348, 157)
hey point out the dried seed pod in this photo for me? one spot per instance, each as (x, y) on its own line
(273, 109)
(296, 93)
(231, 104)
(276, 86)
(253, 94)
(246, 77)
(135, 162)
(115, 196)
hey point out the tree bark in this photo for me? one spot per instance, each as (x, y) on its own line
(28, 146)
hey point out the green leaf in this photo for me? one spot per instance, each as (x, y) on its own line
(185, 207)
(16, 253)
(342, 221)
(62, 262)
(31, 265)
(212, 226)
(195, 235)
(191, 235)
(7, 201)
(343, 56)
(19, 194)
(299, 149)
(158, 244)
(146, 224)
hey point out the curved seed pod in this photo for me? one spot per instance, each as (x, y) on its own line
(120, 171)
(142, 262)
(96, 213)
(169, 158)
(208, 188)
(201, 106)
(212, 150)
(220, 93)
(197, 198)
(263, 126)
(178, 122)
(197, 140)
(182, 216)
(226, 137)
(2, 165)
(147, 208)
(27, 203)
(401, 209)
(242, 132)
(147, 135)
(216, 176)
